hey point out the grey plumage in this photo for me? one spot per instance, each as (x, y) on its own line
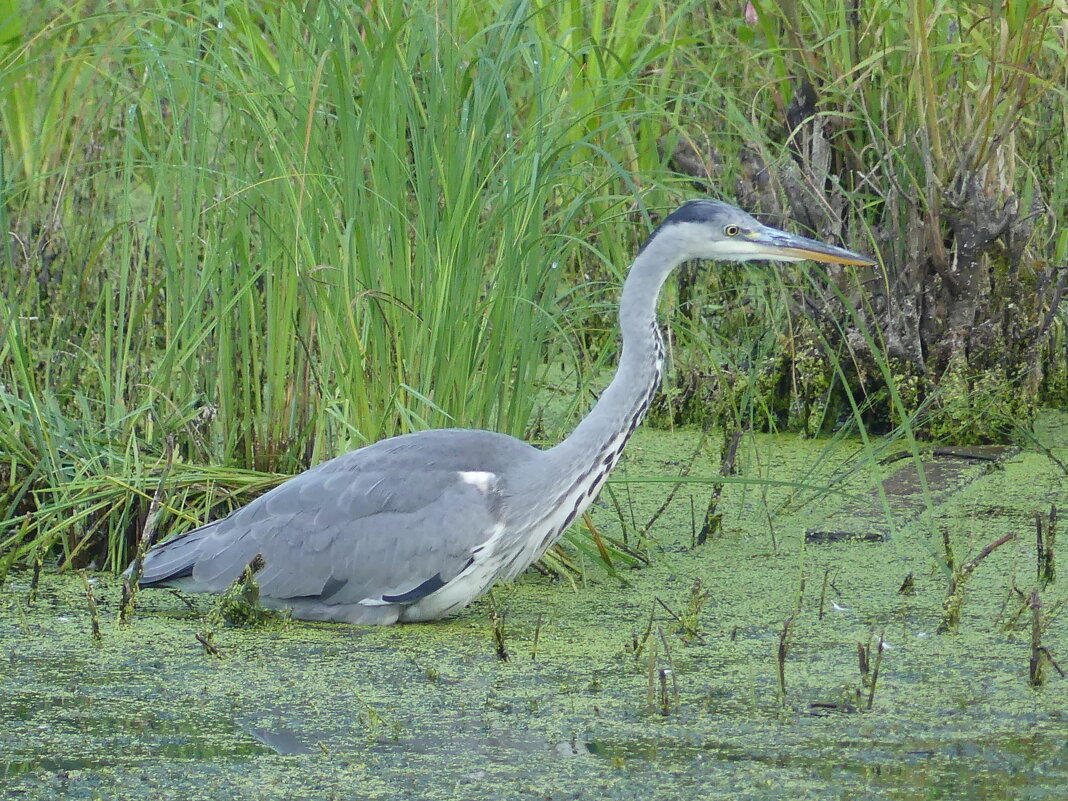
(415, 527)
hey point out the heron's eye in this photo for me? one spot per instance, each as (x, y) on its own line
(731, 230)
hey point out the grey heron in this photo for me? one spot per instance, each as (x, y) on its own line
(415, 527)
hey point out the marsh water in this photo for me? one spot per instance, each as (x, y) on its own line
(655, 683)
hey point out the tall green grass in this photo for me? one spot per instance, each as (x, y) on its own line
(277, 233)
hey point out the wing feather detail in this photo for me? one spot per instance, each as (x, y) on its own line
(389, 523)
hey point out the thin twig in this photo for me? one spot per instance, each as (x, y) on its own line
(875, 671)
(675, 488)
(970, 566)
(205, 639)
(147, 539)
(94, 611)
(688, 629)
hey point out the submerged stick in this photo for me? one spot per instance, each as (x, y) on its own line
(1040, 545)
(147, 539)
(671, 495)
(639, 642)
(823, 591)
(94, 612)
(951, 606)
(665, 698)
(650, 675)
(908, 585)
(1037, 665)
(781, 653)
(498, 636)
(207, 640)
(713, 523)
(665, 701)
(1047, 569)
(875, 672)
(688, 628)
(537, 636)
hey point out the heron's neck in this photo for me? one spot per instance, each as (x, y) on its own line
(596, 442)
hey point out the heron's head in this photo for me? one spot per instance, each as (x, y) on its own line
(709, 229)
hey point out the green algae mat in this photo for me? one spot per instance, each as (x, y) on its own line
(748, 667)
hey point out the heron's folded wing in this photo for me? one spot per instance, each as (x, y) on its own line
(351, 535)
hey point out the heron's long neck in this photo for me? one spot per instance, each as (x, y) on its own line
(595, 445)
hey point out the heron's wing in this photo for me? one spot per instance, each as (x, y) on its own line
(390, 522)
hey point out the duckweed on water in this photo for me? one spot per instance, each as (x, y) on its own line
(301, 710)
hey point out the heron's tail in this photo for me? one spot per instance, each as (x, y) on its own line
(171, 563)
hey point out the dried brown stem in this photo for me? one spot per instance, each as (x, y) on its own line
(954, 593)
(94, 611)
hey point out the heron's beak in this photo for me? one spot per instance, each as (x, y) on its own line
(772, 243)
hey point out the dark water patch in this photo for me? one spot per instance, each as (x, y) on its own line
(908, 492)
